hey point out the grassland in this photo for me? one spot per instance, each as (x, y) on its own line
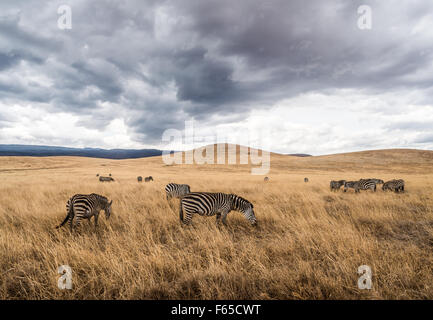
(308, 244)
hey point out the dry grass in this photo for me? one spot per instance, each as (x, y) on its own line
(308, 245)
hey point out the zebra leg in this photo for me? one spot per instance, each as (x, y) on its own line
(218, 218)
(96, 220)
(71, 219)
(224, 218)
(77, 222)
(188, 218)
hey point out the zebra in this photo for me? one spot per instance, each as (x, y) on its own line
(174, 190)
(140, 179)
(377, 181)
(394, 185)
(147, 179)
(306, 180)
(219, 204)
(266, 179)
(351, 184)
(84, 206)
(365, 184)
(108, 179)
(97, 174)
(336, 185)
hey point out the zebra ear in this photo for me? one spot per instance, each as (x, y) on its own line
(111, 202)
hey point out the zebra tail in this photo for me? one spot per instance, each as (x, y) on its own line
(67, 217)
(180, 211)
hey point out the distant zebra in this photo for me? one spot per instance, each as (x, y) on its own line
(147, 179)
(174, 190)
(140, 179)
(219, 204)
(394, 185)
(377, 181)
(103, 179)
(336, 185)
(351, 184)
(97, 174)
(306, 180)
(365, 184)
(84, 206)
(266, 179)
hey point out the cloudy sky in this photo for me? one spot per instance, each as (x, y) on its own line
(302, 74)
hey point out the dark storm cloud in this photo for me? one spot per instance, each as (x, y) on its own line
(220, 58)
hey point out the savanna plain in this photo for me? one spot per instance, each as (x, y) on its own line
(308, 244)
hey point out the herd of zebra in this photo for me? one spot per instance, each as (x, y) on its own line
(396, 185)
(82, 206)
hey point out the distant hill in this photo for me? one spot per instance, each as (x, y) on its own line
(48, 151)
(300, 155)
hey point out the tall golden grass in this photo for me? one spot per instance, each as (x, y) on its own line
(308, 244)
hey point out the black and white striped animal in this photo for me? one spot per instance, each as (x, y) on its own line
(219, 204)
(368, 184)
(336, 185)
(394, 185)
(351, 184)
(147, 179)
(306, 180)
(105, 179)
(377, 181)
(85, 206)
(174, 190)
(140, 179)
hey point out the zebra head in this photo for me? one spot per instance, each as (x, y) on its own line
(108, 209)
(245, 207)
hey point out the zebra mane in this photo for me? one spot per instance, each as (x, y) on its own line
(101, 198)
(237, 200)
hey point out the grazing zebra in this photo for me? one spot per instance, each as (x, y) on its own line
(336, 185)
(266, 179)
(174, 190)
(103, 179)
(377, 181)
(147, 179)
(219, 204)
(351, 184)
(365, 184)
(306, 180)
(84, 206)
(394, 185)
(140, 179)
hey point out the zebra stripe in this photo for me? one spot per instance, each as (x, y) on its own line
(351, 184)
(365, 184)
(394, 185)
(219, 204)
(174, 190)
(84, 206)
(336, 185)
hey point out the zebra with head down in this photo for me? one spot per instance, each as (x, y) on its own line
(219, 204)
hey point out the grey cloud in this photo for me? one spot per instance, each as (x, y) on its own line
(223, 59)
